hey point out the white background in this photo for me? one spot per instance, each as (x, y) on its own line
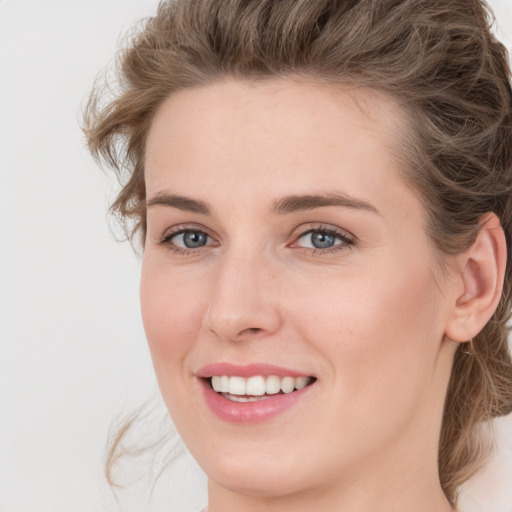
(73, 353)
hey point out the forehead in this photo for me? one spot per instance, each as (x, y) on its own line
(281, 136)
(301, 110)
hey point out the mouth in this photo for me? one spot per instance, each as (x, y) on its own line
(252, 393)
(256, 387)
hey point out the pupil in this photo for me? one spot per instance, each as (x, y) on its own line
(322, 240)
(193, 239)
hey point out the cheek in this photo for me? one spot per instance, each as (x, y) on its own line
(372, 305)
(380, 333)
(172, 315)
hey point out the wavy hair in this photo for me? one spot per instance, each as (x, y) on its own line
(437, 58)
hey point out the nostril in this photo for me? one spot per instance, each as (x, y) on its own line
(249, 332)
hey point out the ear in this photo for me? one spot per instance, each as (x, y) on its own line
(482, 272)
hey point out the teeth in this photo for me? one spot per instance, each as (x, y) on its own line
(301, 382)
(273, 384)
(257, 385)
(224, 384)
(216, 383)
(221, 383)
(287, 384)
(237, 386)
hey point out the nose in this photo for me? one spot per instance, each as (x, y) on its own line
(244, 300)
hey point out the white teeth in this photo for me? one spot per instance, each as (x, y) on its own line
(244, 398)
(301, 382)
(257, 385)
(224, 384)
(216, 382)
(273, 384)
(287, 384)
(237, 386)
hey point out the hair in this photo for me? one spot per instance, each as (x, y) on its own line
(437, 59)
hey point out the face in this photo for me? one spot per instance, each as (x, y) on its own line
(286, 264)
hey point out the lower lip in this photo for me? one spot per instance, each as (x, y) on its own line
(250, 412)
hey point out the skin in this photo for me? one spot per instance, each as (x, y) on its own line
(369, 319)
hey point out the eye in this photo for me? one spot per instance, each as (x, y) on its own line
(183, 240)
(190, 239)
(319, 240)
(323, 240)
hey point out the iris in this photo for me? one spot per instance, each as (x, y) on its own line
(194, 239)
(321, 240)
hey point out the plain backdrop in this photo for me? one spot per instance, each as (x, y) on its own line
(73, 353)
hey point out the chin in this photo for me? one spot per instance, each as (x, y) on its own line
(253, 469)
(264, 481)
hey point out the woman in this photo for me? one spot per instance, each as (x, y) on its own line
(323, 196)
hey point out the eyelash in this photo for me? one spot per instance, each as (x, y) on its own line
(166, 239)
(347, 240)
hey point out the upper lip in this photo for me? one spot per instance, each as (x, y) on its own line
(247, 370)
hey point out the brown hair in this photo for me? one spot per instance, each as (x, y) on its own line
(437, 58)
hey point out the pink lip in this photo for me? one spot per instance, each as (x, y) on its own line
(247, 370)
(248, 412)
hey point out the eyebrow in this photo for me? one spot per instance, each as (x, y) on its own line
(180, 202)
(281, 206)
(290, 204)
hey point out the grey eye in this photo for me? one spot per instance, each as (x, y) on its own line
(321, 240)
(324, 240)
(190, 239)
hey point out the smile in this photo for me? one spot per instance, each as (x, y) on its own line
(252, 393)
(258, 387)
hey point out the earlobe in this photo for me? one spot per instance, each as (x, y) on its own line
(483, 270)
